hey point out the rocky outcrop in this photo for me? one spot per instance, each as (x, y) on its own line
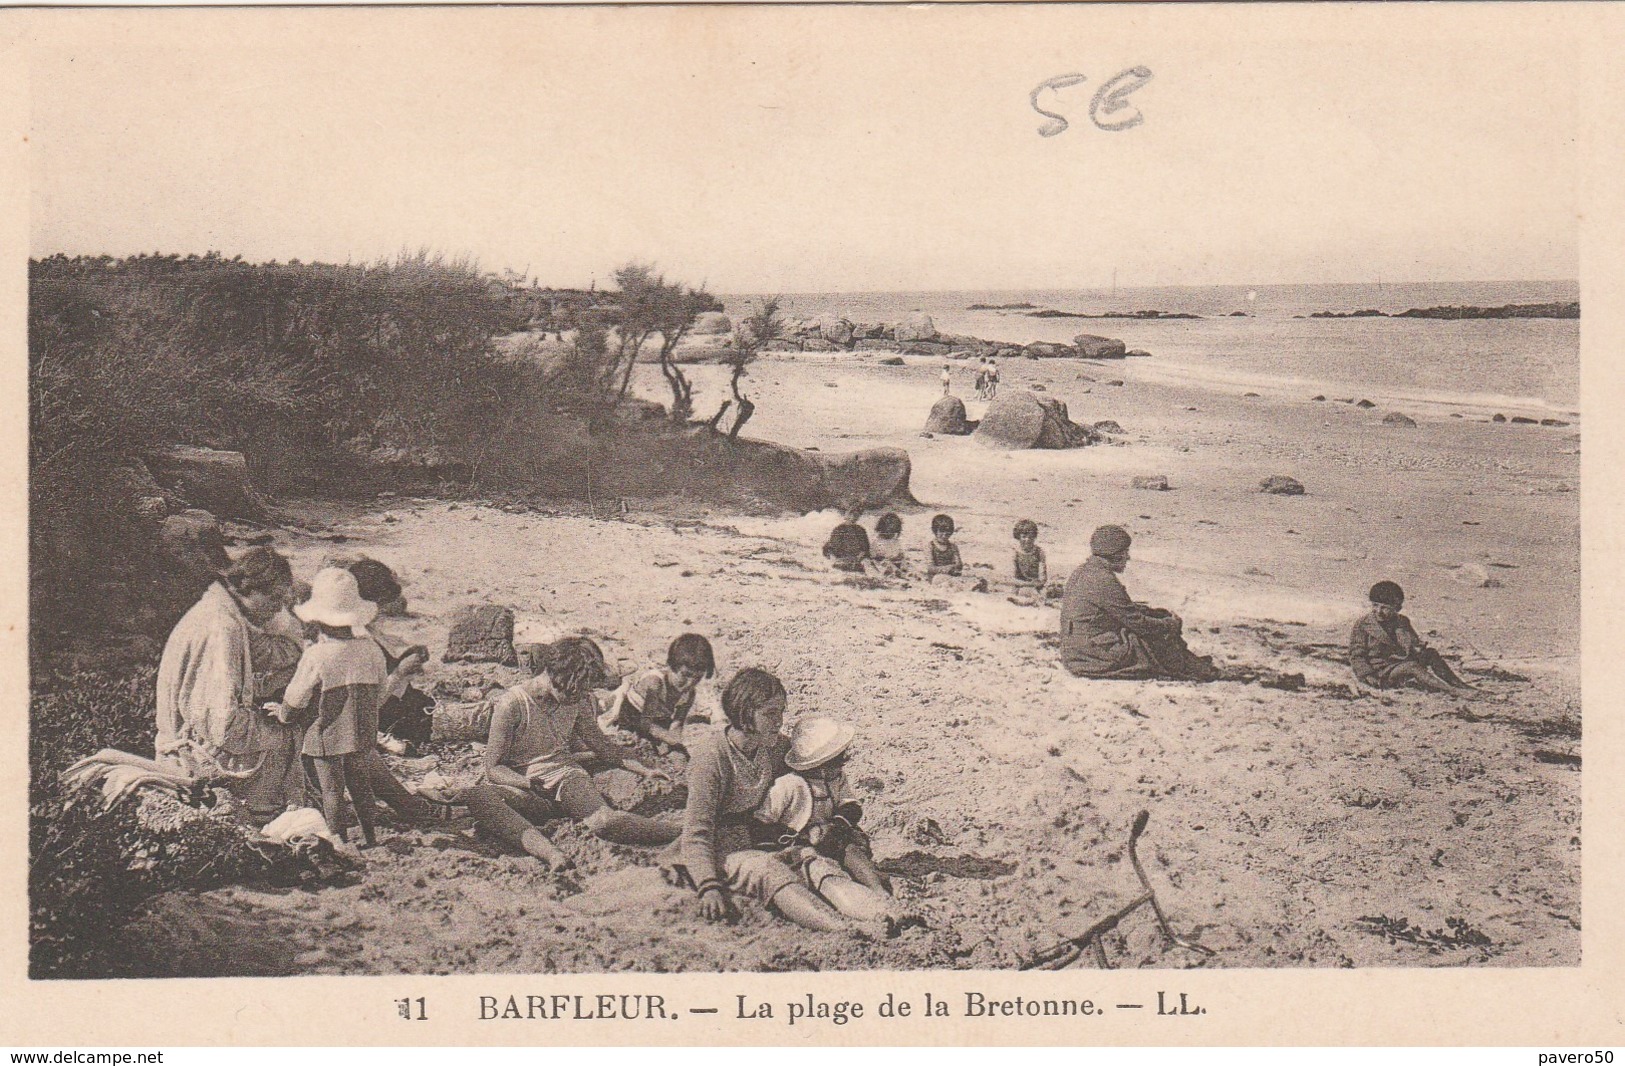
(207, 478)
(874, 477)
(1397, 419)
(1023, 419)
(194, 543)
(1092, 347)
(1048, 350)
(403, 464)
(917, 326)
(948, 417)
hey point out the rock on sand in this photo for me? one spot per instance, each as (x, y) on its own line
(1281, 485)
(948, 416)
(1023, 419)
(916, 326)
(1092, 347)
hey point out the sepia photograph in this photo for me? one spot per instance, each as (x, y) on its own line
(672, 490)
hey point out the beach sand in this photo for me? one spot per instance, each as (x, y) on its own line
(1001, 788)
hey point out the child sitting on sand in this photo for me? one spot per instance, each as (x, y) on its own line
(1386, 652)
(944, 554)
(946, 569)
(848, 545)
(1031, 569)
(810, 816)
(886, 551)
(655, 703)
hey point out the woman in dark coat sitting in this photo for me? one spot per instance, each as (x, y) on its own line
(1104, 634)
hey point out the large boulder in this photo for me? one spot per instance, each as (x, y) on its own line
(933, 348)
(948, 416)
(874, 477)
(916, 326)
(1023, 419)
(875, 344)
(1048, 350)
(1092, 347)
(821, 344)
(836, 330)
(710, 323)
(207, 478)
(139, 494)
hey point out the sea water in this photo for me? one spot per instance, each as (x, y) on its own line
(1515, 364)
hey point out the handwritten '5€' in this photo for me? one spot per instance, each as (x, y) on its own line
(1110, 99)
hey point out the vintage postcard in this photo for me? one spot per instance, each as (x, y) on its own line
(763, 524)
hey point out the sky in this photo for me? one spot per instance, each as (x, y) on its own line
(821, 149)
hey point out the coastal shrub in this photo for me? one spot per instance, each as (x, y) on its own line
(126, 355)
(91, 869)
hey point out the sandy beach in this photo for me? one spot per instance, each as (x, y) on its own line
(1288, 828)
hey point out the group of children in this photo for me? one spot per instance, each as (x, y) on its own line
(1384, 650)
(790, 792)
(801, 814)
(850, 549)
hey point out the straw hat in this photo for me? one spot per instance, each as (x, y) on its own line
(816, 741)
(335, 600)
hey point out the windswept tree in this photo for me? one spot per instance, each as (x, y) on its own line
(647, 305)
(751, 335)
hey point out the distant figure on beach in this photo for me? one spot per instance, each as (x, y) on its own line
(1386, 652)
(532, 773)
(655, 703)
(947, 379)
(992, 377)
(886, 551)
(981, 378)
(848, 545)
(1104, 634)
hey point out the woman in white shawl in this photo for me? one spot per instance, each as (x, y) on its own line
(223, 660)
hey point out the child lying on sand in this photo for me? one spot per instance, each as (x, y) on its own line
(1385, 651)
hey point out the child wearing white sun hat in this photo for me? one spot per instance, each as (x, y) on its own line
(337, 688)
(811, 812)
